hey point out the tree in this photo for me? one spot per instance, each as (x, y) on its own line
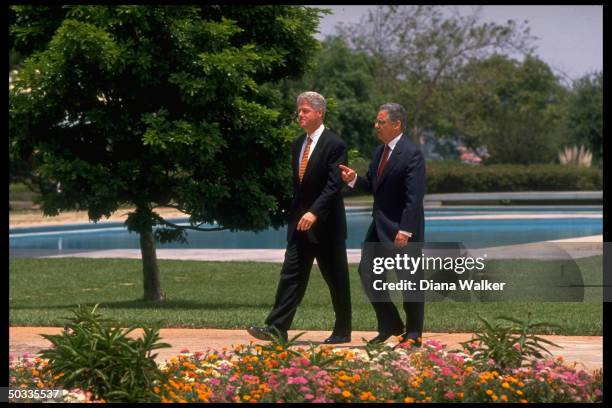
(513, 108)
(420, 47)
(585, 113)
(153, 106)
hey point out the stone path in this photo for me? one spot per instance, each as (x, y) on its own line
(586, 351)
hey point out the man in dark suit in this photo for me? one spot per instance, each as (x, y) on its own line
(317, 225)
(396, 178)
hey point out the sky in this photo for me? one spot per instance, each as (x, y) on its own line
(570, 38)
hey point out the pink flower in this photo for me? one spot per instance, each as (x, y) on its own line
(184, 350)
(517, 346)
(450, 395)
(297, 380)
(308, 396)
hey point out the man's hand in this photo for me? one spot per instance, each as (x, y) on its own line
(306, 221)
(401, 239)
(347, 173)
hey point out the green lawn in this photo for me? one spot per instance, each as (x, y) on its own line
(235, 295)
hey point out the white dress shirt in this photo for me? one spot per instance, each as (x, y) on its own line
(315, 138)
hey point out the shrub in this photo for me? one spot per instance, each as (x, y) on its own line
(453, 177)
(501, 345)
(91, 355)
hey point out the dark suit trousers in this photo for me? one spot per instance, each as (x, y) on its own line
(387, 315)
(299, 258)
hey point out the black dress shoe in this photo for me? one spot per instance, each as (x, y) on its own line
(336, 339)
(267, 333)
(383, 336)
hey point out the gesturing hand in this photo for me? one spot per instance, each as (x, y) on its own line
(347, 173)
(306, 221)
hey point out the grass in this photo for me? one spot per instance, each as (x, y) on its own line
(235, 295)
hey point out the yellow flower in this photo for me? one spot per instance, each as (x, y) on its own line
(506, 385)
(489, 392)
(408, 399)
(246, 397)
(519, 392)
(494, 397)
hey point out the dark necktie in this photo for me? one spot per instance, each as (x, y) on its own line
(383, 161)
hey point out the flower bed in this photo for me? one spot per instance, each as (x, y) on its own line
(278, 373)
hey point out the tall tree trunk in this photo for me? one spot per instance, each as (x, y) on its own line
(150, 269)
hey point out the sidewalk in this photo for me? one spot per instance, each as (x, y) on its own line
(587, 351)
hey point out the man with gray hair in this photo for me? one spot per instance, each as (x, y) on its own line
(317, 225)
(396, 178)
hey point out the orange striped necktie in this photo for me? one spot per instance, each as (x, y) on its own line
(304, 161)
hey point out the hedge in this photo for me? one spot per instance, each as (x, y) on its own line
(462, 178)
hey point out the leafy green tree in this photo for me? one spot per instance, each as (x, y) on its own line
(585, 114)
(513, 108)
(152, 106)
(419, 48)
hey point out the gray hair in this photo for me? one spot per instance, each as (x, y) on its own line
(396, 112)
(317, 101)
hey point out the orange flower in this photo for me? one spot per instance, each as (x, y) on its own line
(408, 399)
(365, 395)
(504, 398)
(346, 394)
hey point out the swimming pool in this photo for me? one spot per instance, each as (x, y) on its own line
(476, 227)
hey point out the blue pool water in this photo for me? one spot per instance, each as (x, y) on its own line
(474, 233)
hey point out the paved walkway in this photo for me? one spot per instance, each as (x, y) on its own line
(586, 351)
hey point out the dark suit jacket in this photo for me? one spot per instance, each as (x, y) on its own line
(398, 195)
(320, 190)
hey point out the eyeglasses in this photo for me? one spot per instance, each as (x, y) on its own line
(383, 122)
